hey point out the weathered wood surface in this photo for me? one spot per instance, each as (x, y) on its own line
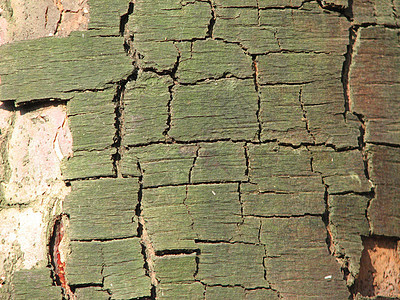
(244, 157)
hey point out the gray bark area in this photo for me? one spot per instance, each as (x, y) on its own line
(223, 149)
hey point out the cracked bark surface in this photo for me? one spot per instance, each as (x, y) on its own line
(222, 149)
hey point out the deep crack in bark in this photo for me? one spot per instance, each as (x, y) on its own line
(305, 119)
(148, 251)
(257, 89)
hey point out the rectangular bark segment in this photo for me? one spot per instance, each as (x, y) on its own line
(291, 245)
(375, 83)
(124, 273)
(309, 28)
(225, 59)
(118, 265)
(105, 16)
(384, 169)
(167, 203)
(266, 26)
(270, 203)
(91, 119)
(341, 171)
(52, 71)
(282, 116)
(91, 293)
(102, 209)
(299, 68)
(172, 291)
(328, 122)
(34, 284)
(163, 164)
(85, 263)
(240, 26)
(220, 161)
(157, 24)
(376, 11)
(175, 268)
(348, 223)
(289, 170)
(205, 111)
(96, 164)
(145, 107)
(223, 200)
(219, 292)
(232, 264)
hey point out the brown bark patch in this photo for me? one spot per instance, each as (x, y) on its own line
(379, 268)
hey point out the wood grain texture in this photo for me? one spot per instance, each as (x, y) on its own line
(291, 244)
(35, 284)
(96, 211)
(255, 147)
(211, 113)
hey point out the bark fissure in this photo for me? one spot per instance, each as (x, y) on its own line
(257, 89)
(148, 251)
(305, 119)
(347, 64)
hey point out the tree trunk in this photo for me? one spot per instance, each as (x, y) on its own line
(221, 149)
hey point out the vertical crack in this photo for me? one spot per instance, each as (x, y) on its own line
(305, 119)
(187, 186)
(171, 88)
(247, 157)
(257, 88)
(211, 24)
(277, 39)
(258, 14)
(341, 258)
(124, 19)
(119, 128)
(187, 207)
(346, 70)
(148, 251)
(394, 10)
(265, 274)
(362, 147)
(194, 164)
(57, 256)
(241, 204)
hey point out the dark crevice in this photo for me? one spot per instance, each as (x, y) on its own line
(34, 104)
(166, 252)
(371, 197)
(194, 163)
(193, 183)
(213, 19)
(391, 145)
(241, 204)
(204, 241)
(69, 180)
(247, 157)
(124, 19)
(223, 76)
(257, 89)
(119, 127)
(305, 119)
(147, 247)
(346, 11)
(104, 240)
(284, 216)
(345, 78)
(278, 83)
(173, 74)
(266, 275)
(264, 142)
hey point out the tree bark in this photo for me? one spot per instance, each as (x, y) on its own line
(222, 149)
